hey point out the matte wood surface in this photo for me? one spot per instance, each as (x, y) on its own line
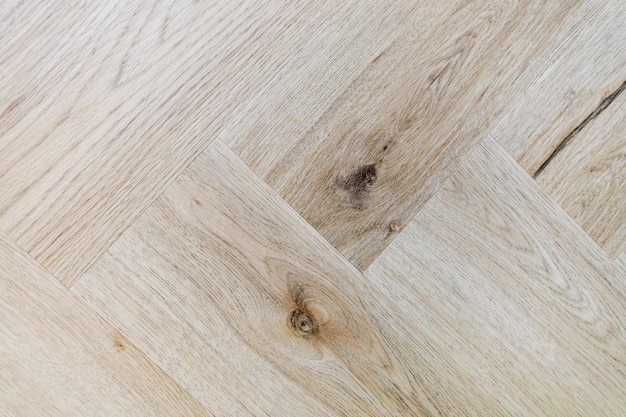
(232, 266)
(621, 261)
(512, 293)
(584, 64)
(587, 177)
(361, 170)
(103, 104)
(58, 358)
(240, 288)
(330, 208)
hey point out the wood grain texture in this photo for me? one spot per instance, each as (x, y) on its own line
(135, 138)
(321, 73)
(383, 147)
(230, 263)
(59, 358)
(503, 284)
(252, 311)
(588, 177)
(104, 103)
(512, 292)
(225, 287)
(585, 63)
(621, 261)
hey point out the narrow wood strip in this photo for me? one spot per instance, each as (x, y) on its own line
(588, 177)
(362, 169)
(59, 358)
(576, 76)
(508, 287)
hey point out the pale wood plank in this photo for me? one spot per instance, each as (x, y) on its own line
(59, 358)
(585, 64)
(509, 288)
(621, 261)
(382, 148)
(588, 177)
(103, 103)
(327, 66)
(206, 282)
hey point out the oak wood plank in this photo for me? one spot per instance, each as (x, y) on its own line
(59, 358)
(585, 64)
(104, 103)
(233, 294)
(509, 288)
(363, 168)
(621, 261)
(587, 177)
(207, 282)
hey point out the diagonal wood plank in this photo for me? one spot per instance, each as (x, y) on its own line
(59, 358)
(382, 148)
(622, 261)
(235, 296)
(240, 298)
(512, 291)
(584, 66)
(103, 104)
(587, 176)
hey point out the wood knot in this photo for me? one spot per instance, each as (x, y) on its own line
(303, 323)
(119, 346)
(358, 184)
(395, 226)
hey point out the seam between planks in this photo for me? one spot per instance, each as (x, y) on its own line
(21, 251)
(218, 135)
(593, 250)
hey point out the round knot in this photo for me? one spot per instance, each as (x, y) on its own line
(395, 225)
(303, 324)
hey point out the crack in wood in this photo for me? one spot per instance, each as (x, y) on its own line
(606, 102)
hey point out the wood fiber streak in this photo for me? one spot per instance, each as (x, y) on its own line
(588, 177)
(59, 358)
(512, 293)
(621, 261)
(408, 119)
(102, 104)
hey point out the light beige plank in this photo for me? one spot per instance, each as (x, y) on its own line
(319, 75)
(585, 63)
(508, 287)
(621, 261)
(208, 279)
(587, 177)
(59, 358)
(102, 104)
(362, 169)
(206, 282)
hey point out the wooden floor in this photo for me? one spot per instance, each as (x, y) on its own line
(332, 208)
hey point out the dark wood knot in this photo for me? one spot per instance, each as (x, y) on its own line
(303, 323)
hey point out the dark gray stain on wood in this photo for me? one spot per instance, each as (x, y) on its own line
(606, 102)
(358, 184)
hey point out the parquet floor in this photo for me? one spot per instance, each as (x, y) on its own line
(323, 208)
